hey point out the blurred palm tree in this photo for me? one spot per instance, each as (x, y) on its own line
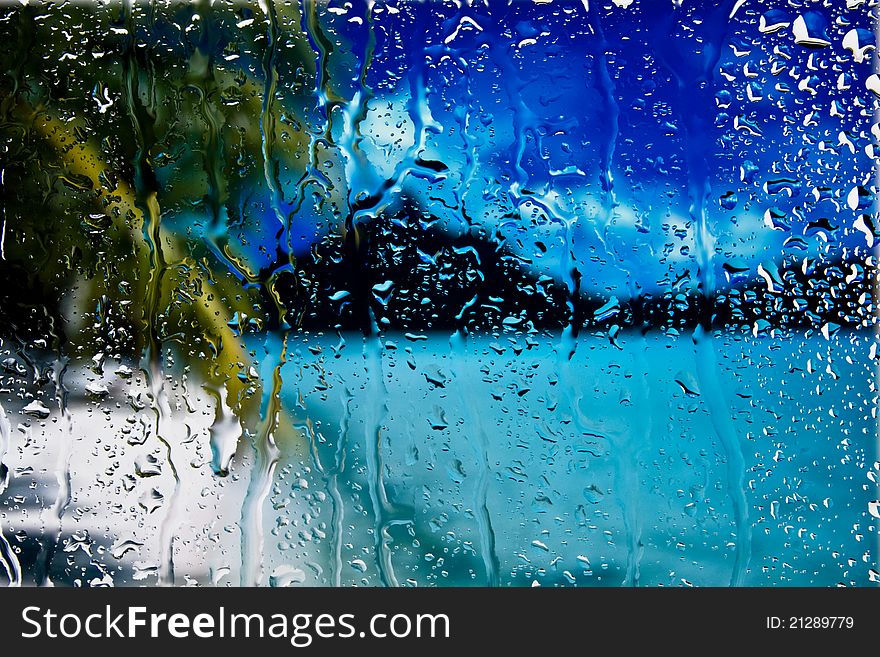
(150, 166)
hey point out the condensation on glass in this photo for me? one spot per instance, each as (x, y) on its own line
(420, 294)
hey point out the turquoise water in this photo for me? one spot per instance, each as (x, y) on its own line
(604, 472)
